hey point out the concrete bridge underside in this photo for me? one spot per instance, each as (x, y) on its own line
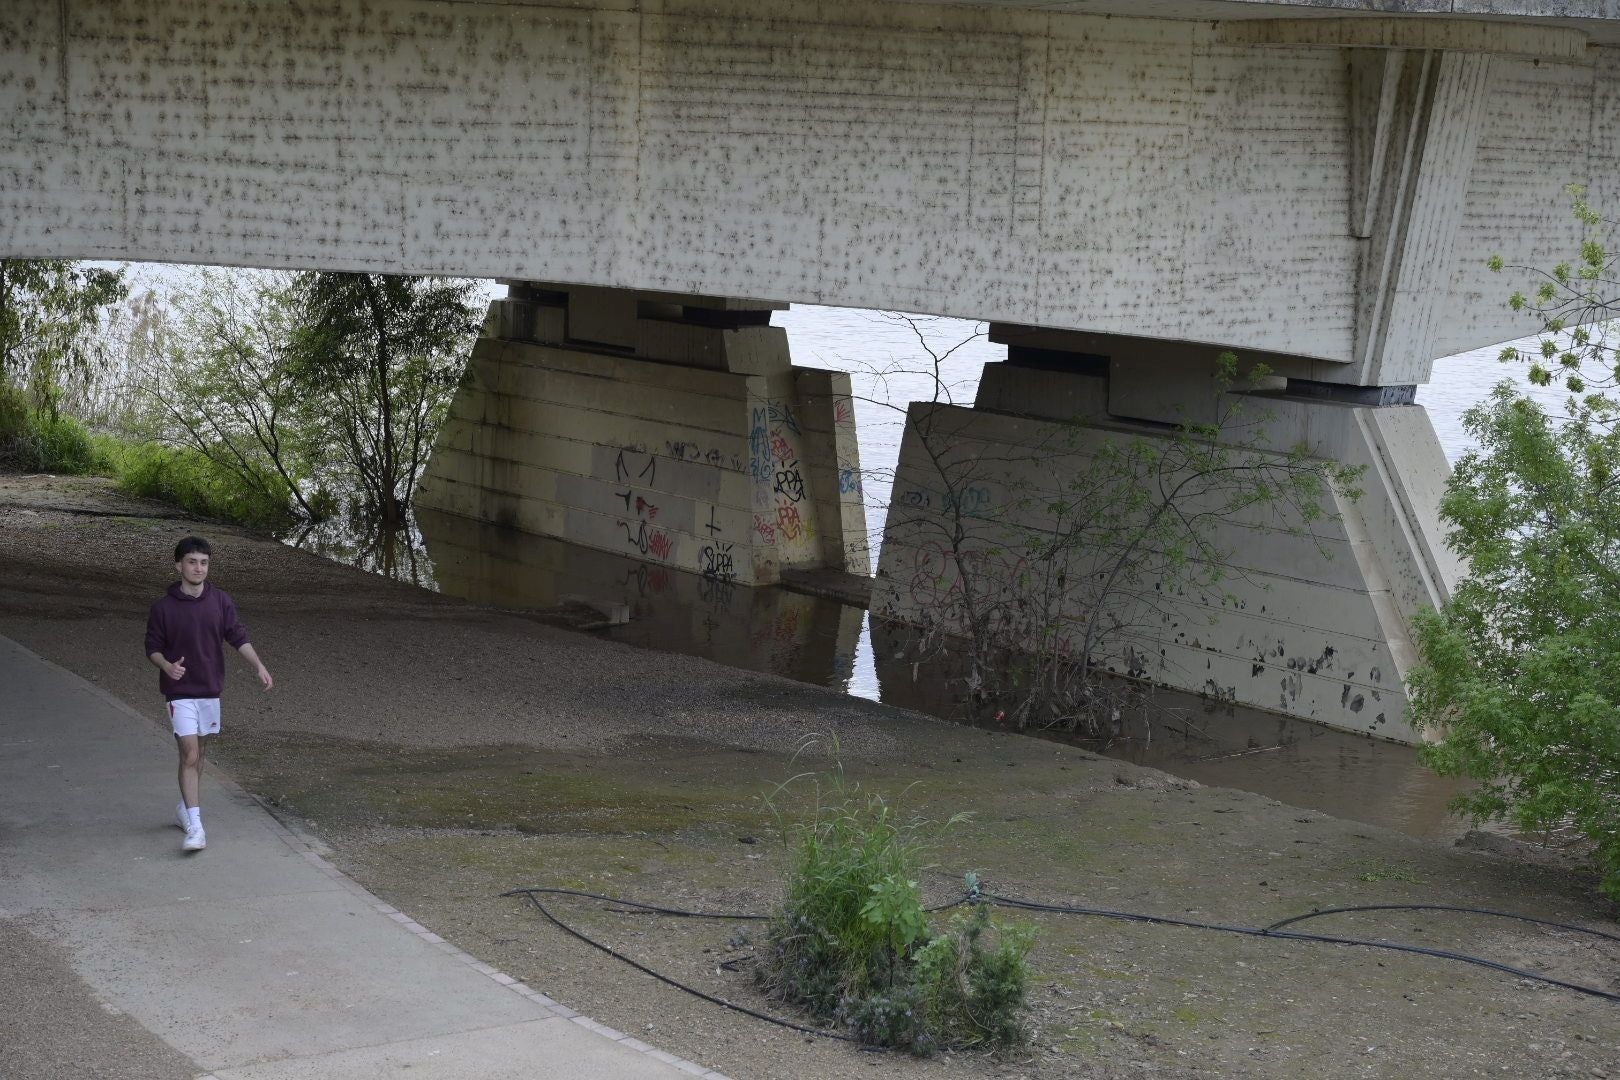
(1315, 186)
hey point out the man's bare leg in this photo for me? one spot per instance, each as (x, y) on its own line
(191, 759)
(192, 749)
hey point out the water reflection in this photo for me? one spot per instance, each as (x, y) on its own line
(357, 537)
(1296, 762)
(761, 629)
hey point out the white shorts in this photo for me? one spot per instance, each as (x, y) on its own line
(195, 715)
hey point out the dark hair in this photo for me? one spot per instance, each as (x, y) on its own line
(189, 545)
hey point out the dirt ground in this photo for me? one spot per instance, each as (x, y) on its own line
(447, 753)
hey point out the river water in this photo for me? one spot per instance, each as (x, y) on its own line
(831, 644)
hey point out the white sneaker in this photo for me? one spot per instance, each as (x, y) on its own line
(195, 840)
(181, 818)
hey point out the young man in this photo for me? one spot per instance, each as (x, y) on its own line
(183, 633)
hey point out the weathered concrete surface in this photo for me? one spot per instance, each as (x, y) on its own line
(670, 428)
(253, 959)
(1310, 619)
(1195, 176)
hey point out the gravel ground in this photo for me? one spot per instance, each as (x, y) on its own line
(448, 752)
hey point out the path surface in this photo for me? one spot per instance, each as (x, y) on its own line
(252, 960)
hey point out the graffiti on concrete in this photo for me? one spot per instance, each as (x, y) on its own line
(649, 540)
(622, 468)
(641, 534)
(789, 525)
(968, 500)
(759, 447)
(715, 561)
(790, 482)
(781, 415)
(682, 450)
(643, 507)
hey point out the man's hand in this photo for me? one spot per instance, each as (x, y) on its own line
(175, 670)
(252, 657)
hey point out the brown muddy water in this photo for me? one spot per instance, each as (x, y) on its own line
(815, 640)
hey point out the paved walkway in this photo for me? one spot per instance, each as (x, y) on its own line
(252, 960)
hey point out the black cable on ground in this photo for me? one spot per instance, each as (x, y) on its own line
(1273, 931)
(1290, 935)
(530, 892)
(1445, 907)
(644, 969)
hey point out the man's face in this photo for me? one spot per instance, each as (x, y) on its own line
(193, 568)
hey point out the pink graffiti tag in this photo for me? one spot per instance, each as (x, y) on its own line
(843, 411)
(660, 545)
(766, 528)
(788, 522)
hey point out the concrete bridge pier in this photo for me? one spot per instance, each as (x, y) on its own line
(670, 428)
(1309, 622)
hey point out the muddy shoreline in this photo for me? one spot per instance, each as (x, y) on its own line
(447, 752)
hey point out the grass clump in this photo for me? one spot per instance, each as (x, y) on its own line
(35, 441)
(193, 481)
(853, 946)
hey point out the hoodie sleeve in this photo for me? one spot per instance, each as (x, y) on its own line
(234, 632)
(154, 632)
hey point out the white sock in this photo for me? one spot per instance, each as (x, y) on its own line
(195, 814)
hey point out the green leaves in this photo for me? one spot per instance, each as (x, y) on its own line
(895, 909)
(1521, 671)
(381, 354)
(49, 312)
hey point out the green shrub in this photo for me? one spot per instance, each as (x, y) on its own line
(852, 944)
(31, 441)
(972, 980)
(190, 480)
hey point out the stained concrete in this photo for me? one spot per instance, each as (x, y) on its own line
(1181, 170)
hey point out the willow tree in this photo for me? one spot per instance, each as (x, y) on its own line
(378, 356)
(50, 310)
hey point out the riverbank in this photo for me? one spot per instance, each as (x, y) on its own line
(447, 752)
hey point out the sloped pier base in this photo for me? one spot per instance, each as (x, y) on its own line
(1310, 624)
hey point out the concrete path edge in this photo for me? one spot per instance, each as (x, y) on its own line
(310, 848)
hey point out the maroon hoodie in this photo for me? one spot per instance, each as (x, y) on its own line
(192, 626)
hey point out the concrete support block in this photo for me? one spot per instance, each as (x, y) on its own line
(1029, 391)
(527, 320)
(602, 316)
(826, 407)
(747, 350)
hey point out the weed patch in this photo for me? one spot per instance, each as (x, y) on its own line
(853, 946)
